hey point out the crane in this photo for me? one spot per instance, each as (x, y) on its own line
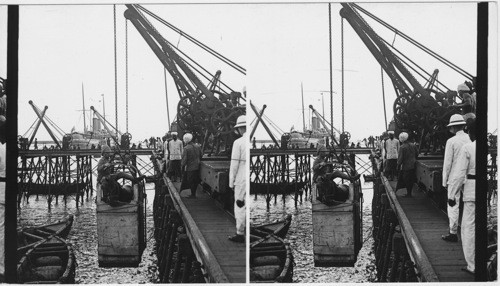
(421, 110)
(207, 113)
(43, 119)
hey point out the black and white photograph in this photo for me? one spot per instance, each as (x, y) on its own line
(132, 146)
(248, 142)
(363, 153)
(3, 106)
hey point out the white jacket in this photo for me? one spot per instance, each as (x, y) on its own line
(237, 170)
(453, 146)
(465, 165)
(175, 149)
(392, 148)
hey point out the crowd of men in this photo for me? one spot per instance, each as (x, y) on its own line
(182, 164)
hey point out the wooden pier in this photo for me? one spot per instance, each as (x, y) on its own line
(429, 223)
(207, 227)
(305, 151)
(67, 173)
(276, 172)
(420, 223)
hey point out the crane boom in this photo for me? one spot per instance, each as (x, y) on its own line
(259, 118)
(105, 123)
(386, 58)
(37, 125)
(419, 110)
(40, 116)
(323, 121)
(199, 111)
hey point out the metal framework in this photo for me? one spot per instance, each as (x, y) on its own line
(208, 113)
(285, 174)
(54, 176)
(421, 110)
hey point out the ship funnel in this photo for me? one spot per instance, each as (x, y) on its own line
(315, 123)
(96, 126)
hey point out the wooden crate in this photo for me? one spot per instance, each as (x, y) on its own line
(336, 235)
(120, 233)
(429, 175)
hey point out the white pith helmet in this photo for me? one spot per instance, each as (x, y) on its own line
(241, 121)
(456, 119)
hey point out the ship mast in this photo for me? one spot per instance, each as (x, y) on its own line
(83, 101)
(303, 117)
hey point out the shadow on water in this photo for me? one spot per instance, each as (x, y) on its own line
(83, 237)
(301, 241)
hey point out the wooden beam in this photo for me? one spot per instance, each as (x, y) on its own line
(200, 245)
(415, 249)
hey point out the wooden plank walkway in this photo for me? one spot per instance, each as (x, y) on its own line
(429, 223)
(215, 225)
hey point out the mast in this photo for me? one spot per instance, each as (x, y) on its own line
(323, 104)
(83, 110)
(303, 117)
(103, 107)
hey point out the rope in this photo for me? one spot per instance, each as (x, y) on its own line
(331, 64)
(412, 68)
(116, 70)
(126, 74)
(25, 133)
(342, 58)
(417, 44)
(199, 66)
(195, 41)
(276, 127)
(49, 121)
(166, 97)
(383, 96)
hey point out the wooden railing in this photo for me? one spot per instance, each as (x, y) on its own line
(426, 272)
(199, 244)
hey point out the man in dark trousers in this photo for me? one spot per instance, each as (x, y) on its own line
(407, 158)
(174, 149)
(191, 157)
(391, 150)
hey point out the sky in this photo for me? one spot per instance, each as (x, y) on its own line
(280, 45)
(295, 50)
(63, 46)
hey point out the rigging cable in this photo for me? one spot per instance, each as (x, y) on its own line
(416, 43)
(126, 74)
(198, 65)
(166, 97)
(178, 50)
(195, 41)
(342, 57)
(116, 70)
(49, 121)
(415, 64)
(25, 133)
(383, 96)
(331, 67)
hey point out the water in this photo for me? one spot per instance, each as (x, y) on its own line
(300, 239)
(83, 237)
